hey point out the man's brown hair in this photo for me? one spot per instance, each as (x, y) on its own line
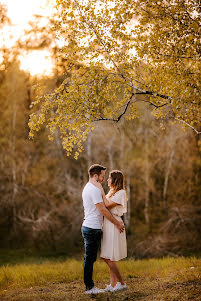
(95, 169)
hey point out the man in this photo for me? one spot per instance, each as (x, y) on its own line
(94, 210)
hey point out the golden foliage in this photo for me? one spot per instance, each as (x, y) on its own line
(116, 49)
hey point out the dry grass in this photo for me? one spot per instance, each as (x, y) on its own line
(154, 279)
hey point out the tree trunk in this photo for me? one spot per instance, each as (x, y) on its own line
(127, 216)
(169, 166)
(146, 208)
(53, 242)
(167, 174)
(110, 154)
(13, 151)
(122, 147)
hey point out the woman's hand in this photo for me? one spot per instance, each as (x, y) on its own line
(98, 185)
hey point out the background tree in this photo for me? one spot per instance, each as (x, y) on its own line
(124, 48)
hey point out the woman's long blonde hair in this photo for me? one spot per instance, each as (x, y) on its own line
(117, 182)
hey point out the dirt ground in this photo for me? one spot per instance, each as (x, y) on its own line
(138, 289)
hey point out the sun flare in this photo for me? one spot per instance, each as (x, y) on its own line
(36, 62)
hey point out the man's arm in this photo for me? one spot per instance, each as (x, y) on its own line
(105, 212)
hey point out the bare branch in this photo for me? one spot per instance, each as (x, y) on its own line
(194, 57)
(197, 132)
(152, 104)
(41, 219)
(120, 116)
(153, 94)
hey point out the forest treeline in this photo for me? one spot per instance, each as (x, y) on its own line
(40, 187)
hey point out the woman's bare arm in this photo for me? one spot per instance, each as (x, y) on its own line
(108, 204)
(106, 201)
(111, 205)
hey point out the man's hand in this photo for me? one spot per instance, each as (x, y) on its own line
(103, 210)
(120, 227)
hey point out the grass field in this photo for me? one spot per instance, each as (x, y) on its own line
(61, 279)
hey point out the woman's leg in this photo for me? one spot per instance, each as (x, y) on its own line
(114, 272)
(113, 279)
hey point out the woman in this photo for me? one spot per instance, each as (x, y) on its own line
(113, 244)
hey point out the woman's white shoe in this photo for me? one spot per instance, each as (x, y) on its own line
(109, 288)
(119, 287)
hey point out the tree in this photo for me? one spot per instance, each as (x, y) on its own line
(115, 50)
(3, 16)
(168, 38)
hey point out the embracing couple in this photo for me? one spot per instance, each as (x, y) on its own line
(103, 226)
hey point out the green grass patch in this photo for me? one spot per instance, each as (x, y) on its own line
(162, 278)
(25, 275)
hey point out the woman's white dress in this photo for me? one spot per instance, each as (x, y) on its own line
(113, 244)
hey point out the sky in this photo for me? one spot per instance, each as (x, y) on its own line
(20, 12)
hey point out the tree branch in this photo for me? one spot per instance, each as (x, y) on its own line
(197, 132)
(194, 57)
(152, 104)
(120, 116)
(90, 24)
(146, 92)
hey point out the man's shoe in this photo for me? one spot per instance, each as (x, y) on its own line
(94, 290)
(119, 287)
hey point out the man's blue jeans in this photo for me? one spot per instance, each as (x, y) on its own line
(92, 242)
